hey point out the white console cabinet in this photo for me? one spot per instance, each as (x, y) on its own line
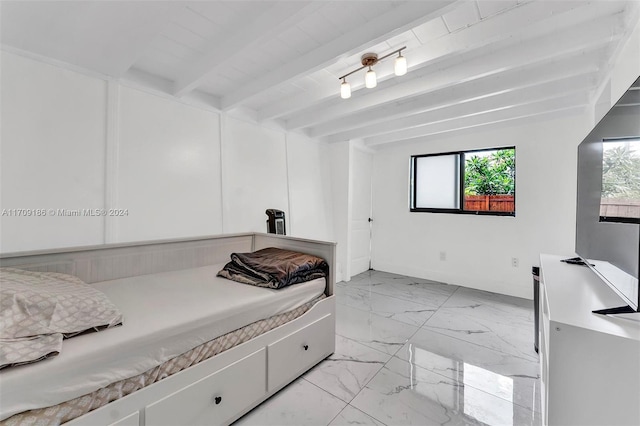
(590, 363)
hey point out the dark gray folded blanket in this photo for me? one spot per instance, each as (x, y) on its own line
(274, 268)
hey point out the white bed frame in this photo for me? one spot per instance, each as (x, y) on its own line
(223, 388)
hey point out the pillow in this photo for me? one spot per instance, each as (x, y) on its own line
(47, 303)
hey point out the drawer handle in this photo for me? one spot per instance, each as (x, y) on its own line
(306, 347)
(218, 399)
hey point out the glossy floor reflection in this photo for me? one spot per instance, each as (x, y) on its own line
(413, 351)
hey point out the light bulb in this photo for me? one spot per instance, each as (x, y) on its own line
(400, 66)
(345, 90)
(370, 80)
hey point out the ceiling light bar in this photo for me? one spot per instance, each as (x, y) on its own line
(368, 60)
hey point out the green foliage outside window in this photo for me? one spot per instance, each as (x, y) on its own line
(492, 174)
(620, 173)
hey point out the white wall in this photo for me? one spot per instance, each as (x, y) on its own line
(74, 141)
(479, 248)
(168, 169)
(265, 168)
(254, 175)
(52, 154)
(310, 195)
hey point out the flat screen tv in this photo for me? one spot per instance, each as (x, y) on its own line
(608, 201)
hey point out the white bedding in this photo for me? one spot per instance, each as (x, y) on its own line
(164, 315)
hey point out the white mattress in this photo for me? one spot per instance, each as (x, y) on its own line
(164, 315)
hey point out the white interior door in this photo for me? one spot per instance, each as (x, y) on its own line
(360, 253)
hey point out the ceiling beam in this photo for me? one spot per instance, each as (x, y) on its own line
(159, 86)
(529, 20)
(473, 129)
(156, 17)
(269, 24)
(508, 98)
(145, 79)
(396, 21)
(484, 117)
(567, 67)
(545, 49)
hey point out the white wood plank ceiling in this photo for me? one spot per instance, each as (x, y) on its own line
(471, 63)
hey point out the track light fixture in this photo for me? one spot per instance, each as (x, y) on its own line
(400, 66)
(370, 80)
(368, 60)
(345, 89)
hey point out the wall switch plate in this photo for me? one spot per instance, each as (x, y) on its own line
(514, 262)
(443, 255)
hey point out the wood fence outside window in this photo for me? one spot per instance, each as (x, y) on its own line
(491, 203)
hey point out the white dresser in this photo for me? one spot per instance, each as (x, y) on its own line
(590, 363)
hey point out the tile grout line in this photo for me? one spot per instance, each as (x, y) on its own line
(461, 340)
(443, 303)
(412, 335)
(342, 400)
(435, 330)
(482, 346)
(336, 416)
(367, 414)
(378, 315)
(394, 354)
(466, 341)
(400, 298)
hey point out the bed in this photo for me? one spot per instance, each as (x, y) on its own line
(196, 348)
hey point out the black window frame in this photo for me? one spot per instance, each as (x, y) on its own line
(460, 167)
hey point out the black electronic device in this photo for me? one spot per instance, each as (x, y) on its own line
(276, 222)
(576, 261)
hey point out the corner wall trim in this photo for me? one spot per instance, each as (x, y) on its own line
(112, 148)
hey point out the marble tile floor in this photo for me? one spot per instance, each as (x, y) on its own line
(415, 352)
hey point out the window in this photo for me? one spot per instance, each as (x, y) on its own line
(620, 195)
(475, 182)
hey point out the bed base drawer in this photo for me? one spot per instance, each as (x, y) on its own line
(132, 419)
(299, 351)
(215, 399)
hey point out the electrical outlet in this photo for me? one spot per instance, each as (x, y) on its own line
(443, 255)
(514, 262)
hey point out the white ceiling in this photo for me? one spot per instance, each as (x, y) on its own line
(471, 63)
